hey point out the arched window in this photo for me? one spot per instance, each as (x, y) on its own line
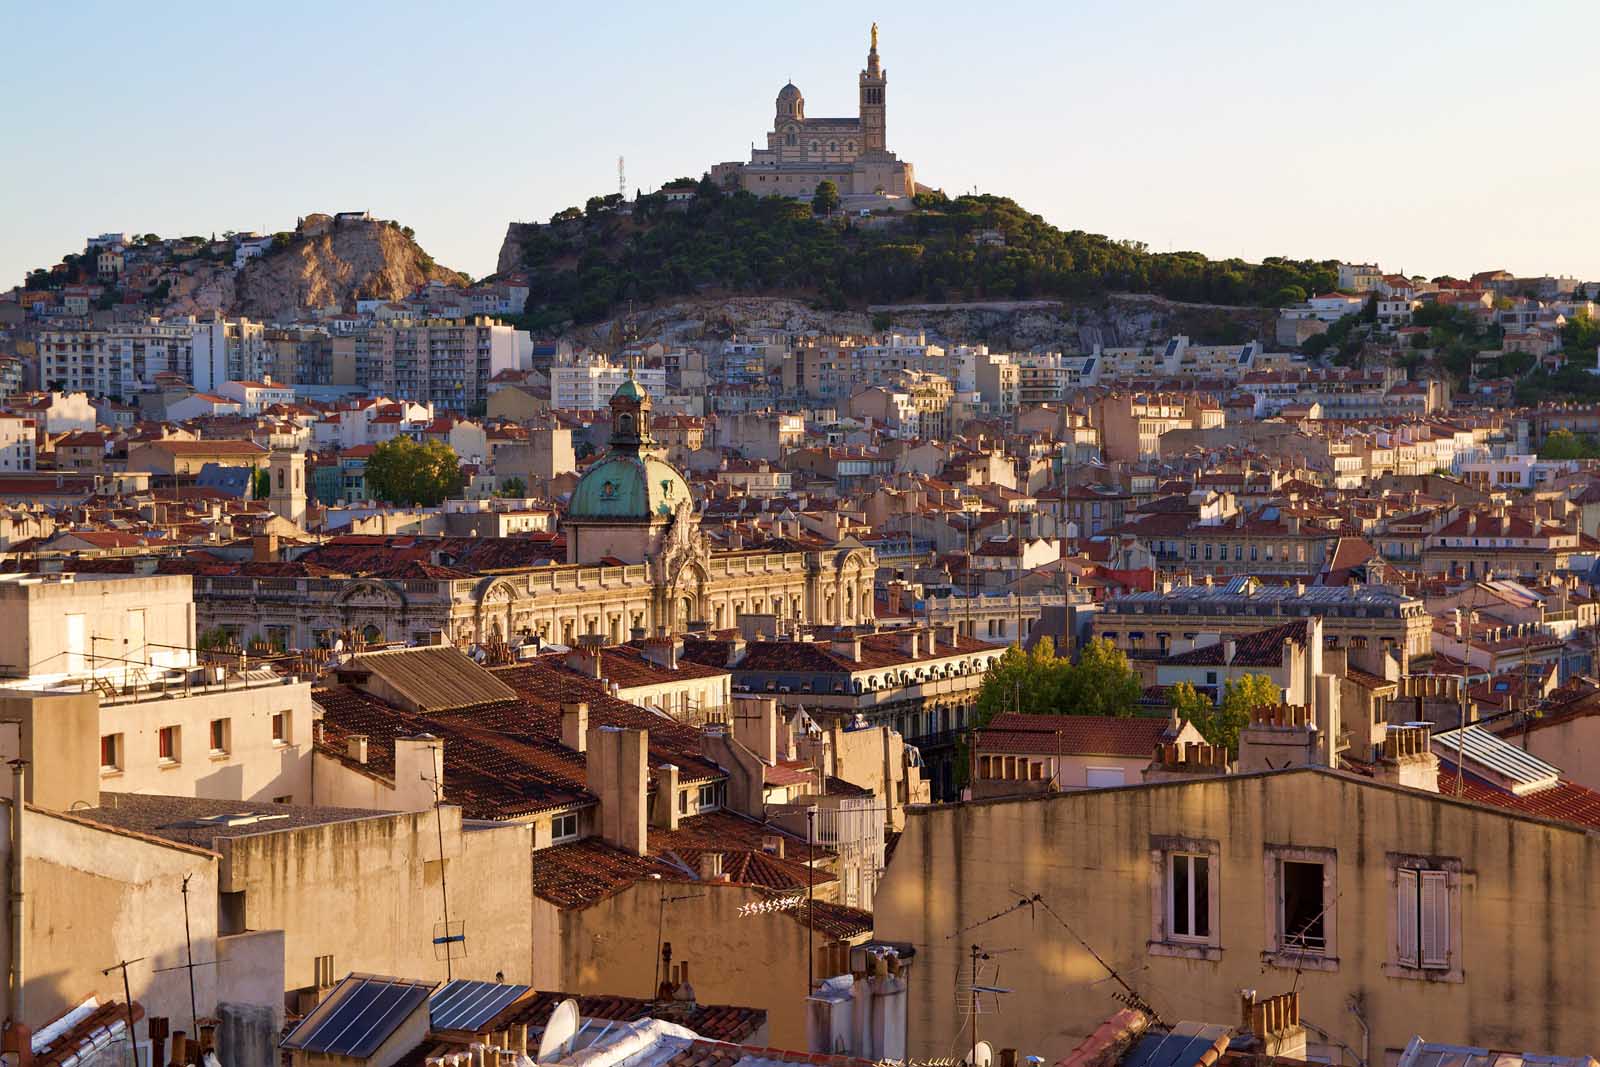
(833, 146)
(815, 146)
(851, 146)
(789, 138)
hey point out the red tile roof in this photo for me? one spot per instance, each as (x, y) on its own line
(1073, 735)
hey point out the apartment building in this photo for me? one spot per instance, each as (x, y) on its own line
(17, 441)
(1151, 622)
(119, 360)
(1131, 424)
(589, 385)
(226, 350)
(444, 362)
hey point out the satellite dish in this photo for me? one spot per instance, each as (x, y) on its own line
(982, 1054)
(559, 1031)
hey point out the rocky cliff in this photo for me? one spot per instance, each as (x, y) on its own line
(336, 265)
(1110, 320)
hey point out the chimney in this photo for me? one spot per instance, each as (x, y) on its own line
(1273, 1025)
(758, 732)
(264, 548)
(574, 726)
(586, 658)
(418, 771)
(1230, 648)
(911, 642)
(663, 651)
(772, 845)
(710, 867)
(615, 764)
(1278, 736)
(847, 645)
(355, 746)
(1408, 759)
(664, 809)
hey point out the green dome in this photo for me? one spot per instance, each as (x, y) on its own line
(622, 487)
(630, 389)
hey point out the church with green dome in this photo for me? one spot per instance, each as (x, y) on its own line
(639, 564)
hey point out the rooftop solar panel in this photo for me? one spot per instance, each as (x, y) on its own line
(361, 1014)
(464, 1005)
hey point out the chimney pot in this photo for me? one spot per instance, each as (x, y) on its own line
(575, 726)
(356, 747)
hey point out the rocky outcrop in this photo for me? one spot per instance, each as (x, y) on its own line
(1116, 319)
(517, 234)
(336, 265)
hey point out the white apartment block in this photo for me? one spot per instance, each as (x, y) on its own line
(229, 350)
(444, 362)
(16, 444)
(119, 360)
(588, 386)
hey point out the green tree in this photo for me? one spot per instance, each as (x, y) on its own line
(826, 200)
(512, 488)
(1101, 682)
(260, 485)
(1220, 725)
(401, 471)
(1564, 444)
(1187, 703)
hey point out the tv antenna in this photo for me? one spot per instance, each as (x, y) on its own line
(622, 179)
(978, 993)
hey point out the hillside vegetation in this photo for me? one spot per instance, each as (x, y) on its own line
(584, 265)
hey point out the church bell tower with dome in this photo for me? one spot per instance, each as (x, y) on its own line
(627, 505)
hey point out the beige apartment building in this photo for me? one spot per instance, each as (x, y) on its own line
(1131, 424)
(1194, 889)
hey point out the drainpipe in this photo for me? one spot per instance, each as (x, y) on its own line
(14, 1003)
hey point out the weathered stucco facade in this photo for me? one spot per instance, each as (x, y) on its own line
(1522, 920)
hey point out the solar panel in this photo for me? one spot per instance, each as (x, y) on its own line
(464, 1005)
(360, 1019)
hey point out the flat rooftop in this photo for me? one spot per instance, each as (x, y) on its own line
(198, 822)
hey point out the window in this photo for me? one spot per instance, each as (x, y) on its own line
(564, 828)
(683, 802)
(280, 727)
(1188, 896)
(713, 795)
(219, 736)
(1185, 912)
(111, 752)
(1303, 897)
(168, 747)
(1103, 777)
(1425, 917)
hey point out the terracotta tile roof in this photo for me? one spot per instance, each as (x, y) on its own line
(589, 871)
(717, 1054)
(103, 1024)
(1564, 802)
(1073, 735)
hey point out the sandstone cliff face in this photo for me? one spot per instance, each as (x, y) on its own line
(350, 261)
(517, 234)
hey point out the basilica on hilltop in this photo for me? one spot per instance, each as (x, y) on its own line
(804, 152)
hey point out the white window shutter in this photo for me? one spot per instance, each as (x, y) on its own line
(1405, 911)
(1435, 933)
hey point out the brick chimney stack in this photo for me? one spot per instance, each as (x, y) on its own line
(615, 762)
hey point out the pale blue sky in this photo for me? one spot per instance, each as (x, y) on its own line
(1424, 135)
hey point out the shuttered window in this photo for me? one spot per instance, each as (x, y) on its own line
(1422, 914)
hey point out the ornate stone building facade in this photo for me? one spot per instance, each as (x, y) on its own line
(804, 152)
(637, 565)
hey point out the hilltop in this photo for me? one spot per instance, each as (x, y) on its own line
(586, 264)
(326, 261)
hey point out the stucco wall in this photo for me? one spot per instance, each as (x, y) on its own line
(93, 898)
(367, 892)
(1526, 932)
(756, 961)
(36, 643)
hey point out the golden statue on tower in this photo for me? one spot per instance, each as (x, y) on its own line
(874, 36)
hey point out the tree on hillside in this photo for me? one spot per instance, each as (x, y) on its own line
(260, 484)
(401, 471)
(826, 200)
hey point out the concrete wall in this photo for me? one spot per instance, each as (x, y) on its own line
(94, 897)
(250, 997)
(35, 638)
(1526, 928)
(58, 737)
(755, 961)
(254, 766)
(367, 892)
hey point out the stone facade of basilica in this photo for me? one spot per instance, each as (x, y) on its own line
(803, 152)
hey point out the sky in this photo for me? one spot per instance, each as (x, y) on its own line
(1428, 137)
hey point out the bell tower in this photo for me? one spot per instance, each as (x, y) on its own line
(874, 83)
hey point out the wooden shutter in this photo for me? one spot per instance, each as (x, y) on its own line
(1405, 911)
(1435, 919)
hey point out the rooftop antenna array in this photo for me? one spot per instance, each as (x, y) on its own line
(622, 179)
